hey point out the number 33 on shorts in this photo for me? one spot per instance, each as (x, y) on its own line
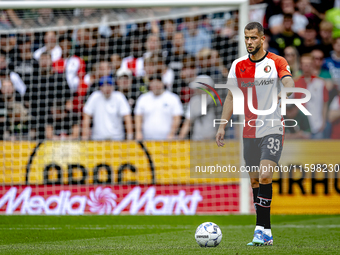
(273, 145)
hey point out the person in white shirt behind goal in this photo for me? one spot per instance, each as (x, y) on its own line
(109, 109)
(158, 112)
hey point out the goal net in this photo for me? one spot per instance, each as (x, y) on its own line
(95, 115)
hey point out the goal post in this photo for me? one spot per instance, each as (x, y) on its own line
(43, 153)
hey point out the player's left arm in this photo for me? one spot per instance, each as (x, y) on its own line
(284, 74)
(288, 82)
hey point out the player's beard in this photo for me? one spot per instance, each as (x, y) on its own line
(255, 51)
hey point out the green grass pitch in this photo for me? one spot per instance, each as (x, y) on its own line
(305, 234)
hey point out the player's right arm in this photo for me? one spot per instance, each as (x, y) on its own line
(227, 107)
(226, 115)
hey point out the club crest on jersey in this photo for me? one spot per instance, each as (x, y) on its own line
(267, 69)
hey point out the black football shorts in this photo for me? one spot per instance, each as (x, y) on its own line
(256, 149)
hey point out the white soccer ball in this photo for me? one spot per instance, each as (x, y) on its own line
(208, 234)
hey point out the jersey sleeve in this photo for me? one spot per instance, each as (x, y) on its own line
(282, 67)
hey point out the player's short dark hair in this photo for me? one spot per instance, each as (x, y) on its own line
(255, 25)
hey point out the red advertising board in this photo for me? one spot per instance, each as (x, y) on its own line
(119, 199)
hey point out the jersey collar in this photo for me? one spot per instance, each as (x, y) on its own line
(256, 61)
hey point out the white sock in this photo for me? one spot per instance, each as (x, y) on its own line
(268, 231)
(259, 228)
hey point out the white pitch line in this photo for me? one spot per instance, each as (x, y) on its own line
(162, 227)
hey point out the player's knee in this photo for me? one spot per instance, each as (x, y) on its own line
(265, 180)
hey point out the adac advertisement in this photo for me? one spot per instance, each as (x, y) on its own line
(154, 178)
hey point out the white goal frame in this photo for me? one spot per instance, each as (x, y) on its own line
(241, 5)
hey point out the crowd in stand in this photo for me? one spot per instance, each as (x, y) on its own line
(97, 83)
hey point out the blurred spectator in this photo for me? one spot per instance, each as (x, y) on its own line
(25, 65)
(117, 43)
(126, 86)
(195, 38)
(135, 62)
(8, 47)
(267, 45)
(321, 6)
(188, 74)
(9, 19)
(334, 117)
(109, 109)
(86, 47)
(74, 69)
(155, 64)
(273, 8)
(99, 70)
(305, 8)
(175, 57)
(46, 90)
(332, 64)
(167, 34)
(326, 29)
(14, 117)
(318, 70)
(116, 62)
(62, 124)
(72, 65)
(6, 71)
(216, 62)
(157, 113)
(309, 40)
(202, 128)
(50, 41)
(45, 18)
(287, 37)
(152, 45)
(292, 56)
(299, 21)
(298, 129)
(332, 16)
(318, 104)
(206, 66)
(226, 42)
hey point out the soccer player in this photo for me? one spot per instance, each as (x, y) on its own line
(262, 144)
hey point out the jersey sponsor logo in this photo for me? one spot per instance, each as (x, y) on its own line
(243, 70)
(257, 83)
(267, 69)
